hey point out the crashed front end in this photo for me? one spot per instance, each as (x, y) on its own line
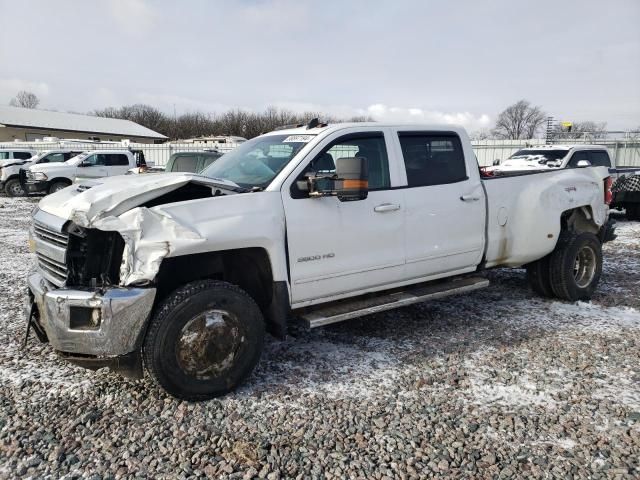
(76, 302)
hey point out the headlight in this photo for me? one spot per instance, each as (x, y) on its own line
(39, 176)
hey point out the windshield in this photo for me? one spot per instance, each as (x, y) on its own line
(541, 156)
(256, 162)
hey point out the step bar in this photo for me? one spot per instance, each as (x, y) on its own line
(346, 309)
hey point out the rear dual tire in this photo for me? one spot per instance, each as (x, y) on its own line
(571, 272)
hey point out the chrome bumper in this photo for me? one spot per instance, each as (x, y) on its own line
(123, 314)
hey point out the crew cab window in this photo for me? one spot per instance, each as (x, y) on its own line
(68, 155)
(578, 156)
(432, 159)
(22, 155)
(599, 158)
(116, 160)
(369, 146)
(97, 159)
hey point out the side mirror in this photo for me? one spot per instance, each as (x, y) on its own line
(84, 164)
(583, 163)
(496, 161)
(352, 181)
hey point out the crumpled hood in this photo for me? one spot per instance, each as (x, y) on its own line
(90, 201)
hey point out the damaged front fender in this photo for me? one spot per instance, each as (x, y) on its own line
(149, 237)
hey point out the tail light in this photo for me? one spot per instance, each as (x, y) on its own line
(608, 196)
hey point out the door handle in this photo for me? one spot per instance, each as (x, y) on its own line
(386, 207)
(469, 198)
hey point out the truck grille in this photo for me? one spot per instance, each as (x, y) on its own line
(51, 249)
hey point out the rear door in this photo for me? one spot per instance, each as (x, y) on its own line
(337, 248)
(117, 163)
(444, 204)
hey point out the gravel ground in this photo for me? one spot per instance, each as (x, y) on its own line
(495, 384)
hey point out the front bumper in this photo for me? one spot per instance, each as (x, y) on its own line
(123, 314)
(35, 186)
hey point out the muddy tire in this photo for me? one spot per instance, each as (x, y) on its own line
(576, 266)
(204, 340)
(57, 186)
(539, 277)
(13, 188)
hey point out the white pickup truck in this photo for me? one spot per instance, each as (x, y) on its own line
(182, 273)
(51, 177)
(10, 173)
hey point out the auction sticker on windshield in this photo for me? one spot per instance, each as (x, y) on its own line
(298, 139)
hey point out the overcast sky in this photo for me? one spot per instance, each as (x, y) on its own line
(420, 60)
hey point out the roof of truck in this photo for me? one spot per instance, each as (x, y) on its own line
(326, 128)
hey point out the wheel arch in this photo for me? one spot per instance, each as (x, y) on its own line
(60, 179)
(248, 268)
(579, 220)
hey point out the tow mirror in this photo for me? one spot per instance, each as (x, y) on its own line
(583, 163)
(349, 182)
(352, 182)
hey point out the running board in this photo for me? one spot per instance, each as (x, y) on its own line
(345, 310)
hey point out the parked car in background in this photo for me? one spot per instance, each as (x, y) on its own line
(546, 157)
(7, 154)
(49, 178)
(10, 173)
(625, 186)
(190, 162)
(626, 191)
(323, 222)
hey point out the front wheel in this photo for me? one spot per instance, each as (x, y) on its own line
(204, 340)
(57, 186)
(13, 188)
(576, 266)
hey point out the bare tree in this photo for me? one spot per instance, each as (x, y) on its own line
(519, 121)
(482, 134)
(25, 99)
(197, 124)
(144, 115)
(586, 129)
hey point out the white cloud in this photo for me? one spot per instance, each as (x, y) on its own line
(10, 86)
(135, 17)
(384, 113)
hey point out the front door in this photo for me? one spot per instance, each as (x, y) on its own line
(336, 248)
(94, 166)
(444, 205)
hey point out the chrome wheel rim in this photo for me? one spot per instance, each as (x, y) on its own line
(584, 268)
(209, 344)
(16, 190)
